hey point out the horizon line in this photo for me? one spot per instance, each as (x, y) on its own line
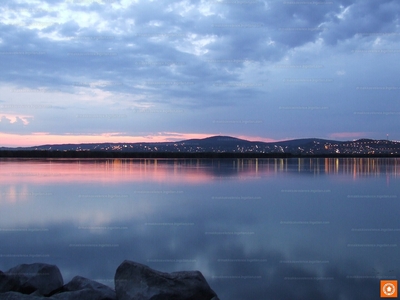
(149, 139)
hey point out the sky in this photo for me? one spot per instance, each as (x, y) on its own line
(83, 71)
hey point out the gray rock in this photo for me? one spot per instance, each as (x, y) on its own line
(29, 278)
(8, 283)
(85, 294)
(83, 288)
(19, 296)
(134, 281)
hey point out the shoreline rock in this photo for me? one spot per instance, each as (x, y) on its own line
(136, 281)
(132, 281)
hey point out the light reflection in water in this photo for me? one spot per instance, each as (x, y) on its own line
(286, 211)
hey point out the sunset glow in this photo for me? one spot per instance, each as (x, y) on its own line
(40, 138)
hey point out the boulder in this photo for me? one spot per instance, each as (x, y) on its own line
(83, 288)
(19, 296)
(85, 294)
(134, 281)
(29, 278)
(8, 283)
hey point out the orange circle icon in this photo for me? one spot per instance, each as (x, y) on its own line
(388, 288)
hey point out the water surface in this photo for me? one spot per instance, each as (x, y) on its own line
(256, 229)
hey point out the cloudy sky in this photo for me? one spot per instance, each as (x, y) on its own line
(115, 70)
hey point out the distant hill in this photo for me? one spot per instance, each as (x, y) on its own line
(228, 144)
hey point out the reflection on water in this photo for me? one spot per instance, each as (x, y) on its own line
(256, 228)
(189, 170)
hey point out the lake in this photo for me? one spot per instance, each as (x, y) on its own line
(256, 229)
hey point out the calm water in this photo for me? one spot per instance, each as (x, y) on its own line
(257, 229)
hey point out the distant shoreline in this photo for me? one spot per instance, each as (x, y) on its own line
(174, 155)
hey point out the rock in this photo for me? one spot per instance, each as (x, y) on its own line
(134, 281)
(85, 294)
(8, 283)
(29, 278)
(83, 288)
(19, 296)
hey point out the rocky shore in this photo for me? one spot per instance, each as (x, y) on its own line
(133, 281)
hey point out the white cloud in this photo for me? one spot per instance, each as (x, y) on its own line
(12, 118)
